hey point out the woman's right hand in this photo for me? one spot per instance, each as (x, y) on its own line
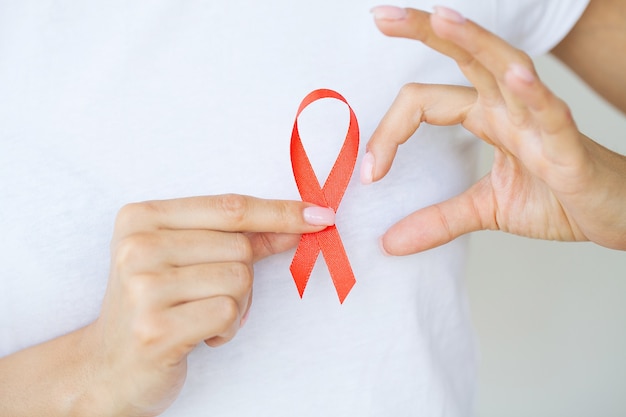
(181, 273)
(548, 180)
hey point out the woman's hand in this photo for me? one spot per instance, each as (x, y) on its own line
(548, 180)
(181, 273)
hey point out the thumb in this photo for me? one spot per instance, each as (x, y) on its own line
(267, 244)
(443, 222)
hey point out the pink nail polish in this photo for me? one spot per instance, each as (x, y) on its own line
(388, 13)
(319, 216)
(244, 319)
(448, 14)
(522, 73)
(367, 169)
(382, 247)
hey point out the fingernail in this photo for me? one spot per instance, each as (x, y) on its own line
(319, 216)
(388, 13)
(448, 14)
(382, 247)
(367, 169)
(522, 73)
(244, 319)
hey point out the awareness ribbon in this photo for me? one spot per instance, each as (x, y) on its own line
(327, 240)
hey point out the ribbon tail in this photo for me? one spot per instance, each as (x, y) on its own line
(304, 260)
(337, 261)
(328, 240)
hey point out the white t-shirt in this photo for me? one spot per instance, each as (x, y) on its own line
(104, 103)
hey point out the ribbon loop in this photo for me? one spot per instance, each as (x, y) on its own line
(328, 240)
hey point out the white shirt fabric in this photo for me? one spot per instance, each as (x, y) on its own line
(105, 103)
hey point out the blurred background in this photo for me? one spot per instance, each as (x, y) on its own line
(551, 317)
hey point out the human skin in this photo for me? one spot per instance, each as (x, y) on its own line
(181, 273)
(548, 180)
(132, 360)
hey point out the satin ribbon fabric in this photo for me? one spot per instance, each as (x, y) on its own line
(328, 240)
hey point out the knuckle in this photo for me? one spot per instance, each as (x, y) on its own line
(284, 215)
(411, 99)
(130, 213)
(563, 109)
(126, 213)
(568, 117)
(443, 220)
(286, 211)
(525, 60)
(242, 247)
(147, 331)
(227, 313)
(522, 59)
(134, 248)
(234, 207)
(465, 60)
(409, 90)
(242, 276)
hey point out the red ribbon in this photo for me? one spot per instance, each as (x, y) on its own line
(328, 240)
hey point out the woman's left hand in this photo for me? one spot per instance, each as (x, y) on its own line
(548, 180)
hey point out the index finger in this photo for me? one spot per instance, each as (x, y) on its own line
(416, 24)
(492, 52)
(226, 213)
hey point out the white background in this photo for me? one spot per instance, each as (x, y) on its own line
(551, 317)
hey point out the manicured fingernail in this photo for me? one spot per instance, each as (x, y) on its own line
(319, 216)
(382, 247)
(522, 73)
(388, 13)
(244, 319)
(367, 169)
(448, 14)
